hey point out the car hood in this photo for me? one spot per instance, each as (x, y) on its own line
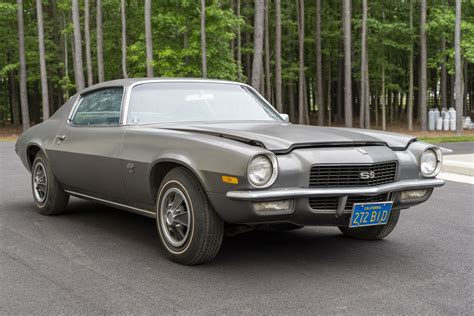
(282, 137)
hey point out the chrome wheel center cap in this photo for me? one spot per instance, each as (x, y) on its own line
(170, 218)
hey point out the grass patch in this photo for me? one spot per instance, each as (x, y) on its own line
(448, 139)
(8, 138)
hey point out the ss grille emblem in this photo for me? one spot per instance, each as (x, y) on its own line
(365, 175)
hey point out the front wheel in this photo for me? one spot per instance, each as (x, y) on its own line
(190, 230)
(373, 232)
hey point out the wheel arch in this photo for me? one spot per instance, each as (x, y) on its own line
(160, 167)
(31, 151)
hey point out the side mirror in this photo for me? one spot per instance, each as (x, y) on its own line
(285, 117)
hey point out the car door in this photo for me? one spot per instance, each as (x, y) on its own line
(87, 148)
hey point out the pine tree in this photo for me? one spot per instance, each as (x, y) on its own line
(25, 116)
(148, 39)
(257, 64)
(42, 60)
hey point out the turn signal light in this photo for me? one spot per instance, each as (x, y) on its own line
(229, 179)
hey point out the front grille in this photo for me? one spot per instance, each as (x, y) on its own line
(330, 203)
(327, 176)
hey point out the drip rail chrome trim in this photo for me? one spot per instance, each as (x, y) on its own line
(114, 204)
(289, 193)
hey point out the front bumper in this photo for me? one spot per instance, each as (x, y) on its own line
(237, 206)
(291, 193)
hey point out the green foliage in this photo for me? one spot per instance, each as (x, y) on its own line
(177, 48)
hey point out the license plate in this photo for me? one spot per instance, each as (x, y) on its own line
(370, 214)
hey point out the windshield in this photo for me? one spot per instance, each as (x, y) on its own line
(196, 101)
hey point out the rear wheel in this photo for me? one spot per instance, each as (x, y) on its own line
(49, 197)
(373, 232)
(190, 230)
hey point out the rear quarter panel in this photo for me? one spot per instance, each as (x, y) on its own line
(43, 135)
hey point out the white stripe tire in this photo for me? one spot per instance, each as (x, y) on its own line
(190, 230)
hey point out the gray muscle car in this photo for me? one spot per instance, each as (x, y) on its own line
(208, 157)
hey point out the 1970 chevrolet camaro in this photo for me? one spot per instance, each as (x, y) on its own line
(205, 157)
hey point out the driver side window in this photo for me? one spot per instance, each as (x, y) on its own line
(99, 108)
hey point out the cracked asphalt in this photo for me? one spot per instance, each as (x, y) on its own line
(99, 260)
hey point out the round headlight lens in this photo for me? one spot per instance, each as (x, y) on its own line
(429, 162)
(260, 170)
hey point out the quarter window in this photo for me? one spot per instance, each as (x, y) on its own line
(99, 108)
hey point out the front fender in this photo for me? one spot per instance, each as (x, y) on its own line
(208, 157)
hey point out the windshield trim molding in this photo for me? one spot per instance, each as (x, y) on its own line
(128, 92)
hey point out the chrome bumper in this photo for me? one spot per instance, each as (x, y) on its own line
(289, 193)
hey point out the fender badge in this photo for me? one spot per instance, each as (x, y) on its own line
(131, 167)
(363, 152)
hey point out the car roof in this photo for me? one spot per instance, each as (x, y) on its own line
(130, 81)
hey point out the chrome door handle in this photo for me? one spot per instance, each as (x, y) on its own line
(61, 137)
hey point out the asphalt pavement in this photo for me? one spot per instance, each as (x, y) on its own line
(99, 260)
(460, 148)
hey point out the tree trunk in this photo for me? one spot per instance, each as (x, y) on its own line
(148, 39)
(73, 55)
(66, 58)
(268, 77)
(79, 74)
(382, 96)
(340, 90)
(346, 21)
(25, 116)
(465, 85)
(248, 60)
(423, 80)
(451, 97)
(203, 39)
(15, 109)
(410, 83)
(393, 99)
(258, 44)
(328, 94)
(376, 110)
(239, 45)
(124, 38)
(14, 105)
(278, 83)
(100, 42)
(90, 74)
(302, 118)
(319, 67)
(42, 61)
(367, 92)
(363, 76)
(232, 42)
(434, 88)
(458, 70)
(291, 102)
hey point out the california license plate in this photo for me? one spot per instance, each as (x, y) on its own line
(370, 214)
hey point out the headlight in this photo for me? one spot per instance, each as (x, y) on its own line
(262, 171)
(430, 163)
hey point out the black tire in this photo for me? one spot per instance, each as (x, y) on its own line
(373, 232)
(202, 238)
(54, 200)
